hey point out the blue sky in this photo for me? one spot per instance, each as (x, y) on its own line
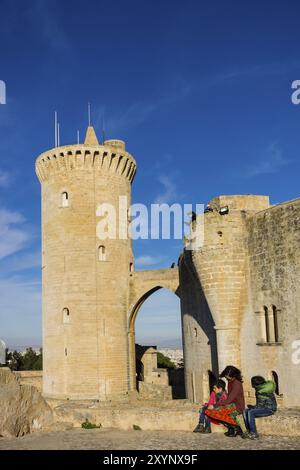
(200, 91)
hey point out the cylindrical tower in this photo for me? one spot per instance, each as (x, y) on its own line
(85, 280)
(214, 289)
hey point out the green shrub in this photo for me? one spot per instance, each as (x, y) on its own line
(88, 425)
(164, 361)
(136, 427)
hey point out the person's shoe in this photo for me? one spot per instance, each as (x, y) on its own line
(238, 431)
(230, 432)
(250, 435)
(199, 428)
(207, 430)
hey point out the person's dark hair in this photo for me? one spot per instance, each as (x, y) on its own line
(233, 372)
(221, 384)
(257, 380)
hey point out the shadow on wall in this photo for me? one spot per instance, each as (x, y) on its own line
(176, 381)
(194, 305)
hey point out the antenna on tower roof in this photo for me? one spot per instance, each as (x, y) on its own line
(89, 113)
(78, 137)
(55, 128)
(103, 129)
(58, 135)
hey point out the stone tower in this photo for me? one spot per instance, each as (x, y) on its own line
(215, 290)
(85, 280)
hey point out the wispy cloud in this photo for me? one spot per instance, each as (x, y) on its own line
(21, 262)
(4, 179)
(44, 16)
(13, 237)
(169, 193)
(256, 71)
(147, 260)
(272, 162)
(20, 304)
(138, 112)
(181, 88)
(132, 117)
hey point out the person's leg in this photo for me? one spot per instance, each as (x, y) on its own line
(246, 418)
(201, 424)
(230, 432)
(257, 413)
(202, 417)
(239, 418)
(207, 425)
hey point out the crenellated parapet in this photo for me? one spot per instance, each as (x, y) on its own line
(109, 157)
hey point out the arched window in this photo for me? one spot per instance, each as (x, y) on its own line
(275, 319)
(66, 315)
(267, 325)
(101, 253)
(131, 267)
(64, 199)
(276, 380)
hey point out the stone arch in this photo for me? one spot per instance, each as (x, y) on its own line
(134, 310)
(144, 284)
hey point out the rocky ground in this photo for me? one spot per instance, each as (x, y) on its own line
(110, 439)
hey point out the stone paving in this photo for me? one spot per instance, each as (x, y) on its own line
(111, 439)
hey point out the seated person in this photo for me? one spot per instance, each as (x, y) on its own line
(230, 411)
(218, 394)
(265, 404)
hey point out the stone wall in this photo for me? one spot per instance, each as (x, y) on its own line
(274, 274)
(244, 285)
(213, 290)
(30, 377)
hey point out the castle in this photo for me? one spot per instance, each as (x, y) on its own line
(239, 292)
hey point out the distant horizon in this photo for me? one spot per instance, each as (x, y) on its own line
(200, 92)
(173, 343)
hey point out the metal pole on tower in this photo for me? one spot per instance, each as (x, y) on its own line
(58, 136)
(55, 128)
(103, 129)
(89, 113)
(78, 137)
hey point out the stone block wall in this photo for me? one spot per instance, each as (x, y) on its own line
(274, 287)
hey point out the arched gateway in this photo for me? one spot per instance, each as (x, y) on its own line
(142, 285)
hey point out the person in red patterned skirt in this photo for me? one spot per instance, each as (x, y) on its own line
(230, 411)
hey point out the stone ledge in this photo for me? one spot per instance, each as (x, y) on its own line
(156, 417)
(286, 422)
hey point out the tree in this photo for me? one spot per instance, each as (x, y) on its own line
(30, 360)
(164, 361)
(15, 360)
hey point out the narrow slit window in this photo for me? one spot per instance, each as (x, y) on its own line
(65, 199)
(101, 253)
(275, 319)
(267, 324)
(66, 315)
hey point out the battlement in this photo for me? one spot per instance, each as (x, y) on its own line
(110, 157)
